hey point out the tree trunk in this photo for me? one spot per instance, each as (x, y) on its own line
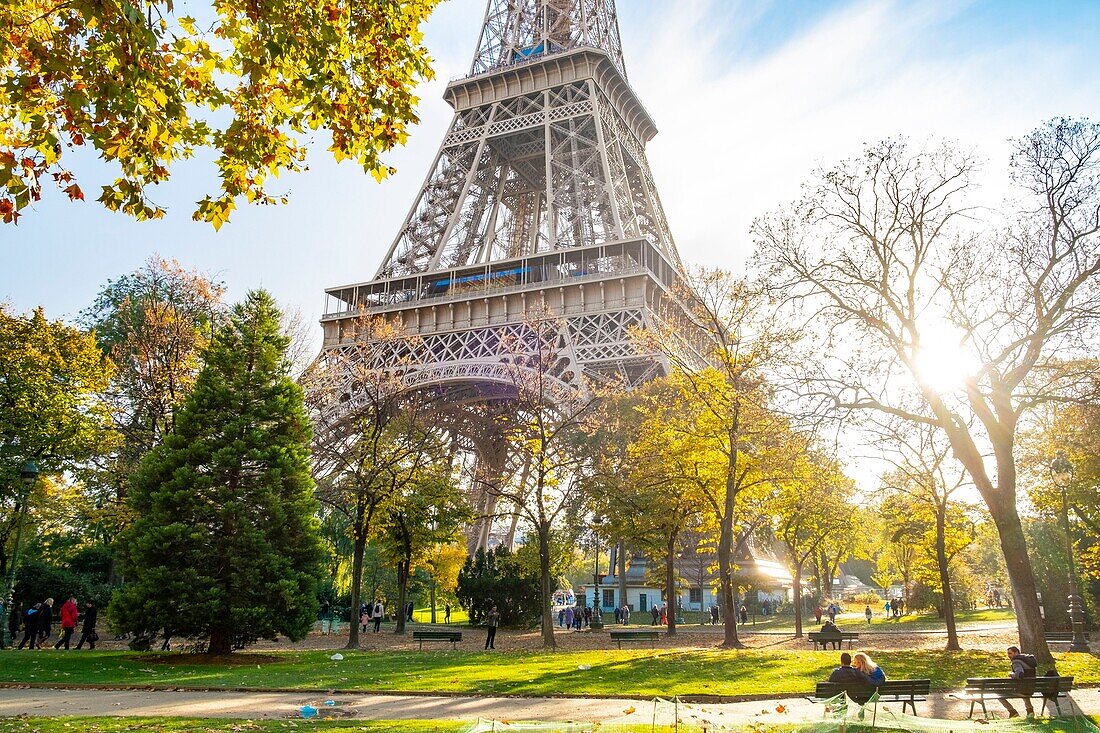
(945, 579)
(432, 597)
(356, 591)
(827, 576)
(221, 641)
(670, 582)
(798, 600)
(725, 545)
(1021, 577)
(548, 641)
(621, 573)
(402, 587)
(725, 572)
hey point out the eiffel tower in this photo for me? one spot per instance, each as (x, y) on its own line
(540, 200)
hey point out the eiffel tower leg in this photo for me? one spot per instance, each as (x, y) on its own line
(521, 494)
(488, 476)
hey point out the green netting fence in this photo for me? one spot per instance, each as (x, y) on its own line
(838, 715)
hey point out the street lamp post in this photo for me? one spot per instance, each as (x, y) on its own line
(597, 619)
(1061, 466)
(28, 476)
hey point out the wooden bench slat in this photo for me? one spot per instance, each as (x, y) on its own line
(825, 637)
(620, 636)
(1047, 687)
(907, 692)
(452, 636)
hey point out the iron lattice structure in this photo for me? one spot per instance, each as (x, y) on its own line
(540, 201)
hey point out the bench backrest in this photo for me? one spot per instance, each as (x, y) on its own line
(892, 687)
(437, 634)
(628, 634)
(830, 635)
(1043, 685)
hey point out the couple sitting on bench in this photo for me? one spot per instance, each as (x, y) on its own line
(859, 670)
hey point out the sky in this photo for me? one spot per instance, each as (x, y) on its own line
(749, 97)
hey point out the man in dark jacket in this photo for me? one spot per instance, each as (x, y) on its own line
(1023, 668)
(87, 631)
(491, 623)
(37, 617)
(830, 628)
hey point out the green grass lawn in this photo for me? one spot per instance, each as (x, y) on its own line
(644, 673)
(459, 616)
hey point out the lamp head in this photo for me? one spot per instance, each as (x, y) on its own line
(29, 472)
(1061, 464)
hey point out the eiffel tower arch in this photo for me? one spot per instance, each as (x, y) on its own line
(539, 201)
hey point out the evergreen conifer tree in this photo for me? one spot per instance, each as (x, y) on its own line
(225, 544)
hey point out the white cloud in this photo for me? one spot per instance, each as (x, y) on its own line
(739, 133)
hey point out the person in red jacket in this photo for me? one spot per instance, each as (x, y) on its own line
(69, 615)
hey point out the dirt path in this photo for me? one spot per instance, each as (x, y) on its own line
(258, 705)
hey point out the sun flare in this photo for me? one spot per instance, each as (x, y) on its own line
(942, 363)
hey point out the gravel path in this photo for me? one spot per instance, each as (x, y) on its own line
(258, 705)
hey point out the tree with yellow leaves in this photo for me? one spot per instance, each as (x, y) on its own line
(722, 341)
(146, 85)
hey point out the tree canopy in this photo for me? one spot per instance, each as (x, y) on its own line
(146, 85)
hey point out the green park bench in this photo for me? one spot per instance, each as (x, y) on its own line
(907, 692)
(1062, 636)
(1049, 688)
(629, 636)
(826, 637)
(452, 636)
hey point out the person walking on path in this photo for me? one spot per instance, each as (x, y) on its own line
(45, 624)
(491, 623)
(743, 612)
(1023, 668)
(378, 613)
(867, 612)
(87, 631)
(70, 613)
(832, 612)
(364, 615)
(409, 611)
(447, 614)
(32, 620)
(818, 611)
(568, 617)
(656, 614)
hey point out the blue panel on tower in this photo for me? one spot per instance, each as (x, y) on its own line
(529, 51)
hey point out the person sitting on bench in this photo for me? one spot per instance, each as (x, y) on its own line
(1023, 667)
(863, 662)
(846, 673)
